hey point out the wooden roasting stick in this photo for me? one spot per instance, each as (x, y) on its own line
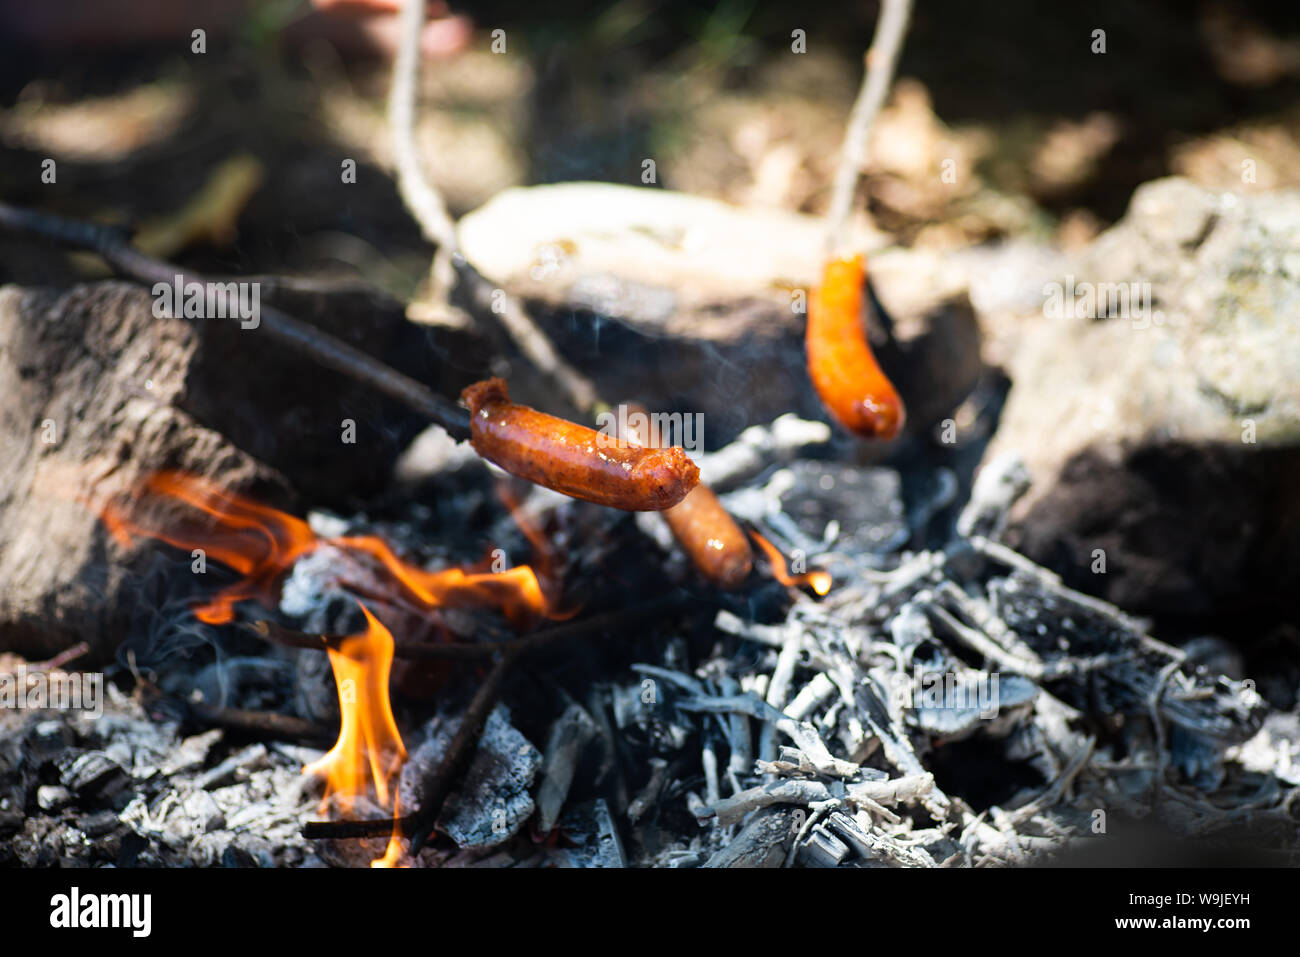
(541, 448)
(840, 362)
(114, 246)
(426, 205)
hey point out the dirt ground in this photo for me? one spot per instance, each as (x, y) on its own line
(1040, 142)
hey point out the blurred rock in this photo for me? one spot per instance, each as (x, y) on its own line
(1162, 426)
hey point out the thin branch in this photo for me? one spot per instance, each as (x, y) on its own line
(590, 627)
(486, 298)
(437, 787)
(880, 62)
(421, 197)
(426, 204)
(79, 650)
(268, 723)
(115, 248)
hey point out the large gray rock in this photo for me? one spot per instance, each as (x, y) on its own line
(92, 385)
(1165, 431)
(98, 393)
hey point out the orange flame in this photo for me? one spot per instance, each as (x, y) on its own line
(254, 540)
(393, 854)
(261, 544)
(515, 591)
(368, 738)
(544, 556)
(819, 581)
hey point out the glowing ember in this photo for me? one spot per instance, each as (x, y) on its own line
(819, 581)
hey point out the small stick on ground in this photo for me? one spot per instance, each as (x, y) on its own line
(62, 658)
(881, 59)
(262, 723)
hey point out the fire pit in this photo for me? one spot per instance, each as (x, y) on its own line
(612, 546)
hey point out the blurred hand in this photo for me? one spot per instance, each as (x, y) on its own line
(372, 26)
(354, 27)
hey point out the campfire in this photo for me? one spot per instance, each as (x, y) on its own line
(262, 545)
(639, 528)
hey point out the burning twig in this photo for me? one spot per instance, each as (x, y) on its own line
(268, 723)
(113, 245)
(458, 755)
(881, 59)
(426, 205)
(458, 651)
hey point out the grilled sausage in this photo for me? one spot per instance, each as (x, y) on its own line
(840, 362)
(573, 459)
(706, 531)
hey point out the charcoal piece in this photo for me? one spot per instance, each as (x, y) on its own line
(98, 824)
(927, 492)
(235, 856)
(45, 740)
(764, 841)
(1199, 758)
(954, 705)
(492, 802)
(564, 747)
(92, 774)
(315, 696)
(591, 827)
(823, 849)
